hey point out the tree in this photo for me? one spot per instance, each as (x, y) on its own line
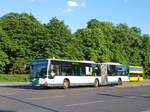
(4, 46)
(61, 41)
(23, 38)
(92, 43)
(146, 54)
(107, 29)
(23, 31)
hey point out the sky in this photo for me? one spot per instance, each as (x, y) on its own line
(76, 13)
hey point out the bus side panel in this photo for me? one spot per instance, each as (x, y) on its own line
(114, 79)
(133, 78)
(136, 78)
(141, 79)
(81, 80)
(75, 80)
(124, 78)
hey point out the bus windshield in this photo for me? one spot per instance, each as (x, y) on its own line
(136, 69)
(39, 68)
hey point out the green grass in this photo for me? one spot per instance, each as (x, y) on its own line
(14, 78)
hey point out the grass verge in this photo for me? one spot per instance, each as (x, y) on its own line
(14, 78)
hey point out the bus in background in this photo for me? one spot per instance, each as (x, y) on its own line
(136, 73)
(113, 73)
(65, 73)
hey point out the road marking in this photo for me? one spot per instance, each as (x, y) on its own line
(84, 103)
(48, 97)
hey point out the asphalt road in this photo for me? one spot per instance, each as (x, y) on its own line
(82, 99)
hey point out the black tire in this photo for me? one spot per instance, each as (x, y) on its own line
(66, 84)
(119, 81)
(96, 83)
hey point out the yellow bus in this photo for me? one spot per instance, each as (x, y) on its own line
(136, 73)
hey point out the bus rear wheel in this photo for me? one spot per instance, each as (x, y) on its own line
(66, 84)
(119, 81)
(96, 83)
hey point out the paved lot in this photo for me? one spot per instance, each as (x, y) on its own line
(24, 98)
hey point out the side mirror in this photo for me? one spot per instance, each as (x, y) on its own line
(27, 66)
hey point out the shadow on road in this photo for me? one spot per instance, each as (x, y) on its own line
(7, 111)
(41, 87)
(109, 95)
(30, 87)
(24, 87)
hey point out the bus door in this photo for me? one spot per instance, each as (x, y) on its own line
(104, 74)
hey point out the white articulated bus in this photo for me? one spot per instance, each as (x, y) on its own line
(66, 73)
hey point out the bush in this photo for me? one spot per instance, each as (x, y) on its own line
(147, 77)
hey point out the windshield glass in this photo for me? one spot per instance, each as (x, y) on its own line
(136, 69)
(39, 68)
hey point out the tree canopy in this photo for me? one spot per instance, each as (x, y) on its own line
(23, 38)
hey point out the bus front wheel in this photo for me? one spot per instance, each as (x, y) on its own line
(66, 84)
(96, 83)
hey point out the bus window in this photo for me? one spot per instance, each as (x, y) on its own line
(88, 70)
(66, 70)
(55, 69)
(112, 70)
(75, 70)
(82, 71)
(95, 71)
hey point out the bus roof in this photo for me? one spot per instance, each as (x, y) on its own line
(85, 61)
(81, 61)
(111, 63)
(135, 67)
